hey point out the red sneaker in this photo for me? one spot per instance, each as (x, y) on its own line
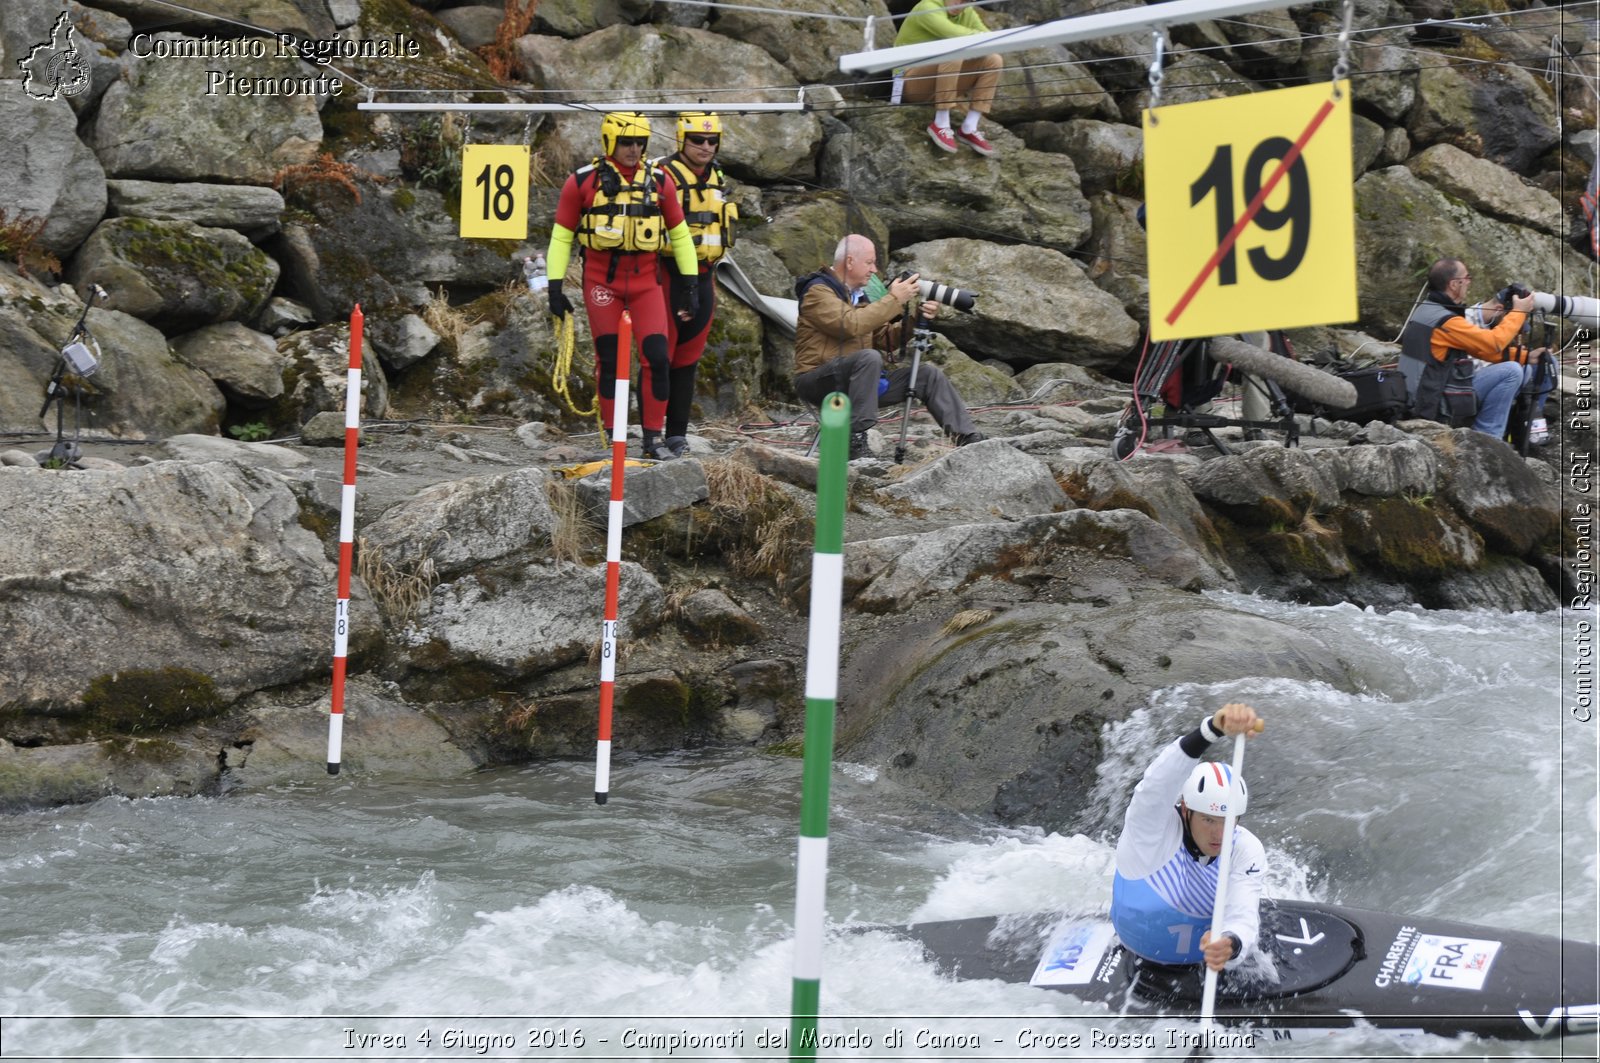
(975, 141)
(942, 137)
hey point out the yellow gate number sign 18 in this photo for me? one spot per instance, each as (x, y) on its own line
(494, 191)
(1249, 208)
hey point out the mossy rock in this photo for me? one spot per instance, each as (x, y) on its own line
(1410, 538)
(806, 227)
(1311, 550)
(662, 697)
(439, 65)
(663, 710)
(557, 725)
(139, 700)
(177, 274)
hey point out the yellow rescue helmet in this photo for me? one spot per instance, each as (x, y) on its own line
(698, 122)
(622, 124)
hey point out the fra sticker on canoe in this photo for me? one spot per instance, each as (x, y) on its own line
(1458, 963)
(1073, 954)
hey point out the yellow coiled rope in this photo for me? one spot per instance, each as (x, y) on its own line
(566, 345)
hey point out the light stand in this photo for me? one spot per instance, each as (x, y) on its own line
(77, 358)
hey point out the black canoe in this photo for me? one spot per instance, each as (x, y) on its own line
(1336, 967)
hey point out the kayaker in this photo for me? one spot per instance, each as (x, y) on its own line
(1165, 885)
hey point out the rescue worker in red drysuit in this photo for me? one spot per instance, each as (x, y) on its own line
(702, 191)
(624, 212)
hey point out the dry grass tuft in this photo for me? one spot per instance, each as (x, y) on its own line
(781, 543)
(500, 57)
(19, 241)
(450, 323)
(549, 165)
(521, 716)
(399, 591)
(323, 170)
(730, 483)
(965, 619)
(673, 608)
(767, 531)
(570, 531)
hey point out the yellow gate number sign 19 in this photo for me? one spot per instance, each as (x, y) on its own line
(494, 191)
(1249, 208)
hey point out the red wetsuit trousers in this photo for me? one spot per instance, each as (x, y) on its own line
(635, 285)
(687, 342)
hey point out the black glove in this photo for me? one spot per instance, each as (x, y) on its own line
(686, 297)
(559, 305)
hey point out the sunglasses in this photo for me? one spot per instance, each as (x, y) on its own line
(695, 138)
(632, 142)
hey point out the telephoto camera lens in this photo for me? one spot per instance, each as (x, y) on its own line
(942, 293)
(1580, 309)
(935, 292)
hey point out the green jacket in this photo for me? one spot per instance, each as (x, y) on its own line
(930, 20)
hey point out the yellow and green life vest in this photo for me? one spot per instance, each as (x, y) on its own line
(625, 215)
(706, 207)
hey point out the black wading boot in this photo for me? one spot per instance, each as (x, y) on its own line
(654, 449)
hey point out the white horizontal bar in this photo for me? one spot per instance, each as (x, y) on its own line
(590, 108)
(1061, 31)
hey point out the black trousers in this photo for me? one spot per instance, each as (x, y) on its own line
(857, 375)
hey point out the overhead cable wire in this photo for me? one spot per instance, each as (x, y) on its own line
(1446, 60)
(864, 106)
(1087, 63)
(801, 13)
(211, 16)
(967, 228)
(871, 105)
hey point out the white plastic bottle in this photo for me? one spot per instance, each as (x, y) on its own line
(534, 269)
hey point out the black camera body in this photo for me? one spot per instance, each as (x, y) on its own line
(1510, 292)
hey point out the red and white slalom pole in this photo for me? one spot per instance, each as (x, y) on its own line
(608, 628)
(347, 532)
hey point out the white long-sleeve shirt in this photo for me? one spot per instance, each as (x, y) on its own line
(1162, 895)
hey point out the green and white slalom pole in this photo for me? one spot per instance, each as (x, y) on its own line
(822, 697)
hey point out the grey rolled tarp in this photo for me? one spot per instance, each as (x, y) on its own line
(1302, 379)
(781, 312)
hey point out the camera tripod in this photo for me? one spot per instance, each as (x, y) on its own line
(916, 341)
(65, 453)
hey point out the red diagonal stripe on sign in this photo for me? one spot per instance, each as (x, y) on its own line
(1249, 214)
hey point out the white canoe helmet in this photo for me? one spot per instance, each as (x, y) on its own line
(1214, 790)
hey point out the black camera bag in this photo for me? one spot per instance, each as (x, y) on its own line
(1380, 396)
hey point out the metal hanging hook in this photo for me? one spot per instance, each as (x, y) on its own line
(1341, 65)
(1159, 37)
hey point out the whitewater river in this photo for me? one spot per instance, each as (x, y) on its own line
(339, 918)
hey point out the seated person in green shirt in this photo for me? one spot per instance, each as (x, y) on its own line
(971, 81)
